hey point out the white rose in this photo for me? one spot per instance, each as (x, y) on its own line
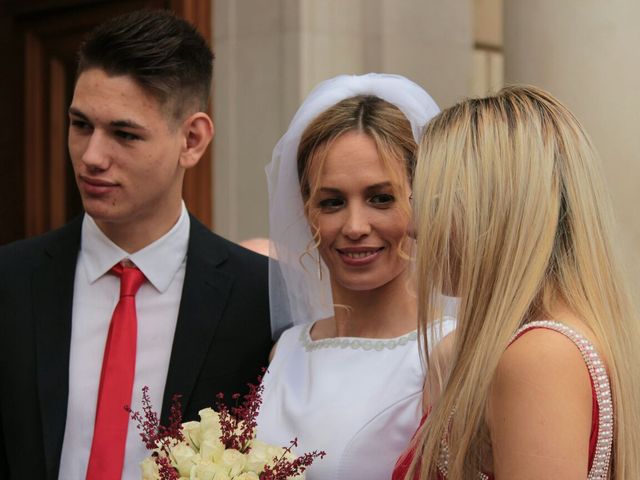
(211, 450)
(149, 469)
(247, 476)
(161, 445)
(258, 457)
(184, 458)
(235, 460)
(209, 471)
(209, 424)
(274, 454)
(191, 432)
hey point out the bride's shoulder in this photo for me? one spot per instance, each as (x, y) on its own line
(288, 338)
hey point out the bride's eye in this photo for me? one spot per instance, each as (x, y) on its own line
(329, 204)
(382, 200)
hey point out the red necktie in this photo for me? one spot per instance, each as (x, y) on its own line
(116, 382)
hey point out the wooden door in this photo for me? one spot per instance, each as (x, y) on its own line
(38, 42)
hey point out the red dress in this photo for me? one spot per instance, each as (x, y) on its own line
(601, 439)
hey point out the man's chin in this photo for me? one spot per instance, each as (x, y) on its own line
(104, 215)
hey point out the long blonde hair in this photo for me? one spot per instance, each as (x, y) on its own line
(512, 215)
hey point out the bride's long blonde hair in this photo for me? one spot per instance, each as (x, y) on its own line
(512, 215)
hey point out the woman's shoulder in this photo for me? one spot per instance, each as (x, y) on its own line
(542, 387)
(548, 357)
(567, 345)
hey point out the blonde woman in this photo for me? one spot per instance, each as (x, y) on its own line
(347, 377)
(542, 376)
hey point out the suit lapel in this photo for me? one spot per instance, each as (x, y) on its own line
(204, 296)
(53, 302)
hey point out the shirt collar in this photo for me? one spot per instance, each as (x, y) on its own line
(159, 261)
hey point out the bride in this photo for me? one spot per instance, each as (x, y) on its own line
(347, 377)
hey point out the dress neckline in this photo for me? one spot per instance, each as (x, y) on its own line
(355, 343)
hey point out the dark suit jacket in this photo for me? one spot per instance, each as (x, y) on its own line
(222, 338)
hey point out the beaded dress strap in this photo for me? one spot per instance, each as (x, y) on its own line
(600, 380)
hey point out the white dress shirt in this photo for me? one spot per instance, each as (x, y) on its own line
(96, 293)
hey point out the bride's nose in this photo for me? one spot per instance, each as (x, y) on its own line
(357, 223)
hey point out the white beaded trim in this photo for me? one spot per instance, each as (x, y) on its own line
(598, 373)
(355, 343)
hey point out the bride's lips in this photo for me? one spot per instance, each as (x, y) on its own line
(359, 256)
(95, 186)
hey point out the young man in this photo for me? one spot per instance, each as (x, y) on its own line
(77, 345)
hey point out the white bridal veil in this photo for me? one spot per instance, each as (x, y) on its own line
(297, 293)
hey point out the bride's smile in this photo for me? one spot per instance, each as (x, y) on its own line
(359, 256)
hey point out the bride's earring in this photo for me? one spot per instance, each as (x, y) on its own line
(319, 267)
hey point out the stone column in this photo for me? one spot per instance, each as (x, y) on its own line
(255, 92)
(428, 41)
(585, 53)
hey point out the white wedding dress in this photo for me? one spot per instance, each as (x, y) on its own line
(357, 399)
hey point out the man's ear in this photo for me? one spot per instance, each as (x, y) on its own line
(198, 132)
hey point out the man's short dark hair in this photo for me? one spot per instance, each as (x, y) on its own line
(164, 54)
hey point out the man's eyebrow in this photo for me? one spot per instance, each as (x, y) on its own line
(124, 123)
(74, 111)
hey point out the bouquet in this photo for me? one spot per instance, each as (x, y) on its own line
(221, 446)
